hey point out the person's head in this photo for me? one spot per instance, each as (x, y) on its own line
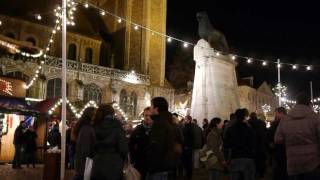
(253, 115)
(158, 105)
(205, 121)
(103, 111)
(216, 123)
(188, 119)
(21, 123)
(225, 122)
(147, 116)
(86, 118)
(175, 118)
(194, 121)
(241, 115)
(303, 99)
(233, 117)
(280, 112)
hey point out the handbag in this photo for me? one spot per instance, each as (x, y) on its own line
(88, 169)
(129, 172)
(207, 157)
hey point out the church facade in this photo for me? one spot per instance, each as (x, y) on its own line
(103, 54)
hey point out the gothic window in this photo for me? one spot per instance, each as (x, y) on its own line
(123, 100)
(31, 40)
(54, 88)
(92, 92)
(19, 75)
(10, 35)
(72, 52)
(134, 101)
(88, 58)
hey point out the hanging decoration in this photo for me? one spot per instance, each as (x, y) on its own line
(117, 108)
(6, 87)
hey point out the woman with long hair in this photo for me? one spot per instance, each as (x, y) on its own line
(214, 143)
(85, 139)
(111, 146)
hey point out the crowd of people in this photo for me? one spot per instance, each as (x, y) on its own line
(166, 146)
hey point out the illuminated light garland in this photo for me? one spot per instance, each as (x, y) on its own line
(184, 43)
(6, 86)
(266, 108)
(132, 78)
(117, 107)
(74, 110)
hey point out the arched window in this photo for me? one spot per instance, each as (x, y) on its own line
(19, 75)
(88, 55)
(10, 35)
(32, 40)
(54, 88)
(123, 100)
(72, 52)
(92, 92)
(134, 102)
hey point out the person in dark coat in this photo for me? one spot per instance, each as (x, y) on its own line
(139, 142)
(260, 155)
(111, 147)
(205, 124)
(30, 145)
(18, 142)
(161, 155)
(70, 143)
(54, 137)
(188, 146)
(198, 142)
(241, 143)
(278, 151)
(178, 140)
(85, 140)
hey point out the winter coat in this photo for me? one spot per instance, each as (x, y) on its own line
(260, 130)
(30, 141)
(160, 154)
(18, 138)
(300, 132)
(138, 144)
(277, 151)
(214, 143)
(198, 136)
(111, 150)
(54, 137)
(189, 136)
(240, 140)
(84, 147)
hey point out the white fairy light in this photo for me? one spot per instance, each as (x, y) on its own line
(103, 13)
(264, 63)
(119, 20)
(38, 16)
(86, 5)
(169, 39)
(294, 67)
(136, 27)
(185, 45)
(308, 68)
(249, 60)
(233, 57)
(278, 65)
(218, 54)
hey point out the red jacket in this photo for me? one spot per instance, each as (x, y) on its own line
(300, 132)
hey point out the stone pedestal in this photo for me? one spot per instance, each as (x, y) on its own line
(215, 89)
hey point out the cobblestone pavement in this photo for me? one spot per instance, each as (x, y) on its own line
(7, 173)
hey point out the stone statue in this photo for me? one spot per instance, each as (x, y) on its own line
(206, 31)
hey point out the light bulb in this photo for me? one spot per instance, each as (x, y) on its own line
(233, 57)
(54, 31)
(169, 39)
(185, 45)
(86, 5)
(308, 68)
(218, 54)
(39, 17)
(249, 60)
(51, 41)
(103, 13)
(294, 67)
(119, 20)
(0, 23)
(136, 27)
(278, 65)
(264, 63)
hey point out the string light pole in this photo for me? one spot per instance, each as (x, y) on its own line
(279, 80)
(64, 88)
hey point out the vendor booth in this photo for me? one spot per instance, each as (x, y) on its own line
(13, 109)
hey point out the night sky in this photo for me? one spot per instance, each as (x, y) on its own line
(257, 28)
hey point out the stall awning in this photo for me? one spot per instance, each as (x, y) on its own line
(15, 105)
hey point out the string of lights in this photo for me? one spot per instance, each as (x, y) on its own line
(186, 44)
